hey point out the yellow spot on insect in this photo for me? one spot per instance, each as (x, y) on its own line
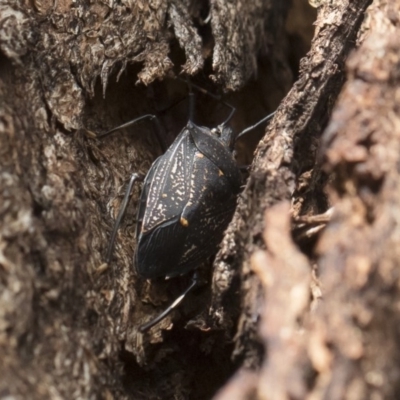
(164, 195)
(220, 173)
(184, 222)
(199, 155)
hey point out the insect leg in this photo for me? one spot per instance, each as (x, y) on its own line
(145, 327)
(250, 128)
(134, 178)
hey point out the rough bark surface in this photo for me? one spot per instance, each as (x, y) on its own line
(347, 346)
(69, 322)
(284, 159)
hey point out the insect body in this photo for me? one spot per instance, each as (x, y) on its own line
(188, 199)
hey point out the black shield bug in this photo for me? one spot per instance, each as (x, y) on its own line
(188, 199)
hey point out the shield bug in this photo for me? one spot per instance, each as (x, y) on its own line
(188, 199)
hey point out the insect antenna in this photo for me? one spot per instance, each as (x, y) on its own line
(204, 91)
(151, 117)
(250, 128)
(191, 101)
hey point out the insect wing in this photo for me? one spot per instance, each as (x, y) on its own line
(207, 213)
(165, 194)
(188, 200)
(144, 195)
(217, 153)
(179, 244)
(168, 189)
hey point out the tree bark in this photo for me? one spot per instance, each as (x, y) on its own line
(285, 167)
(69, 322)
(346, 347)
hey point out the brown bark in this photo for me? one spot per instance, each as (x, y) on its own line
(347, 348)
(68, 322)
(285, 167)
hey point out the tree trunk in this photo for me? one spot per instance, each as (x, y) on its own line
(69, 321)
